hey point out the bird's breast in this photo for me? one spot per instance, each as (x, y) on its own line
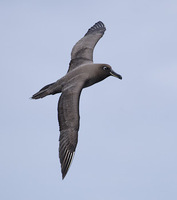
(92, 80)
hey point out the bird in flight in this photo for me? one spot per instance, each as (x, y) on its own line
(82, 73)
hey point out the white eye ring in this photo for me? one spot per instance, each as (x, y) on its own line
(105, 68)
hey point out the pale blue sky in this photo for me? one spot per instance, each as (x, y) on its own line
(128, 134)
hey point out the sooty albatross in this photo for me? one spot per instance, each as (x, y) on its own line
(82, 73)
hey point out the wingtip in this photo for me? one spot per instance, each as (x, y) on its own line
(100, 22)
(97, 27)
(63, 176)
(66, 163)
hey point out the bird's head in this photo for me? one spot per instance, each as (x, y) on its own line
(106, 70)
(98, 72)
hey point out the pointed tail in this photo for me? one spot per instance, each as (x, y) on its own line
(43, 92)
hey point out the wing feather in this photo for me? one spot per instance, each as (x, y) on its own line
(68, 116)
(82, 51)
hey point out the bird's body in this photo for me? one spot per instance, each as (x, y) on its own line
(82, 73)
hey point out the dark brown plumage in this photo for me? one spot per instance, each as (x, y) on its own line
(82, 73)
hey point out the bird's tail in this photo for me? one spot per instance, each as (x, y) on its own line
(47, 90)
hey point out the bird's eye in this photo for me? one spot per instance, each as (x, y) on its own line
(105, 68)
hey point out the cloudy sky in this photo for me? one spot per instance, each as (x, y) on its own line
(128, 134)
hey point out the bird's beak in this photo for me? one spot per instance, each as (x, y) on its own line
(112, 73)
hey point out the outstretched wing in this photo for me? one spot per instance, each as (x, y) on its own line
(68, 116)
(82, 51)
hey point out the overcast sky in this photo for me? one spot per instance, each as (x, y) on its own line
(128, 133)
